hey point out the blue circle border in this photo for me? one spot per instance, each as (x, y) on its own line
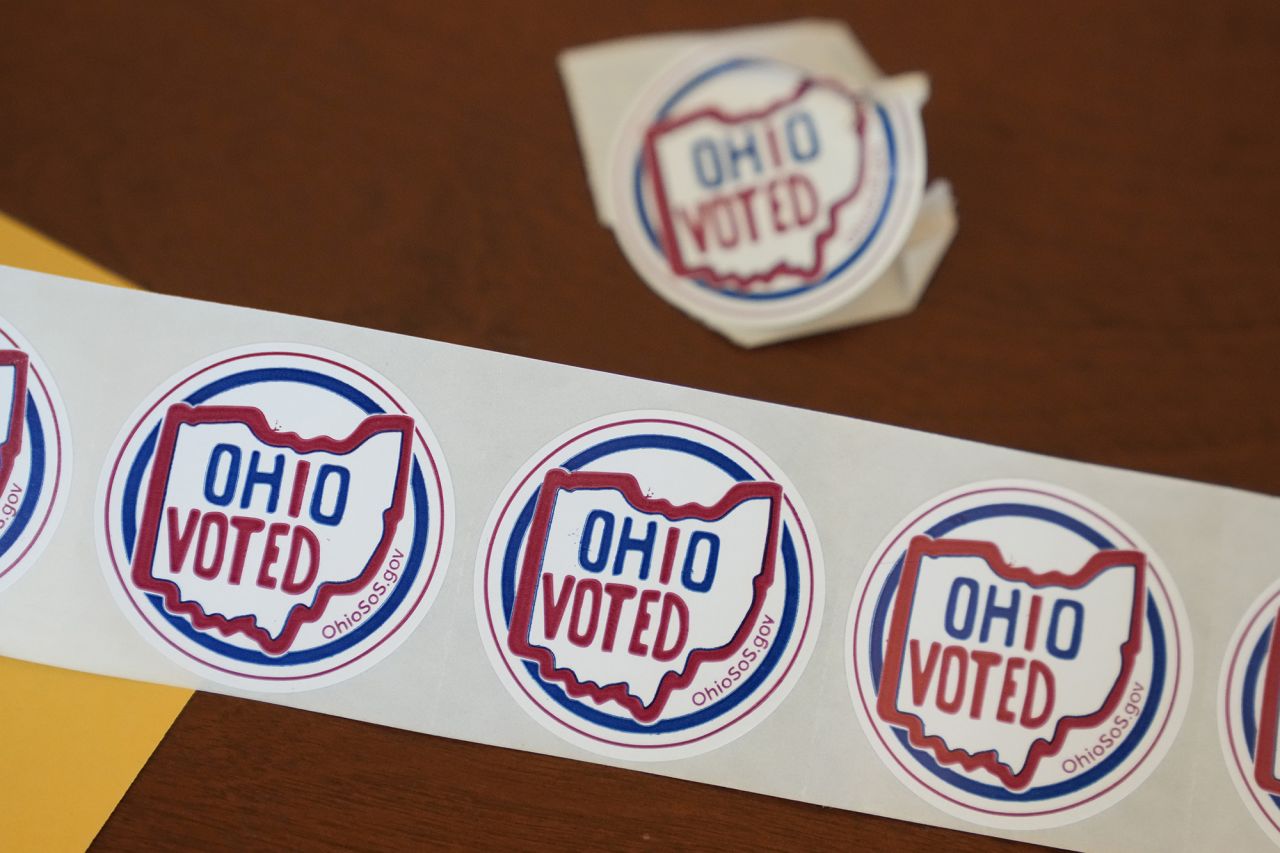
(1249, 688)
(1075, 783)
(749, 685)
(413, 562)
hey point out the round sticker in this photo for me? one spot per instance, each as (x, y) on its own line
(1249, 710)
(1018, 657)
(750, 192)
(275, 518)
(649, 586)
(35, 455)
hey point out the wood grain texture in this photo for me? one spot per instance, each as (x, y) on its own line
(1112, 296)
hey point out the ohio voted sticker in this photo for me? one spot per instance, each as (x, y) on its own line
(35, 455)
(649, 586)
(749, 192)
(1249, 711)
(275, 518)
(1017, 655)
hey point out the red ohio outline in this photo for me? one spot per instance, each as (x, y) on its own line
(886, 700)
(559, 479)
(12, 445)
(182, 414)
(671, 245)
(1269, 718)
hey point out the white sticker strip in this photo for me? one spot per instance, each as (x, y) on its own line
(1034, 678)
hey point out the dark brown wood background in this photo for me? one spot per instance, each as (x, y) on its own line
(1112, 296)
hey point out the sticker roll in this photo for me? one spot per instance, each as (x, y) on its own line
(1015, 601)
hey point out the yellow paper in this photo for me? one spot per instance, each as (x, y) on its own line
(70, 743)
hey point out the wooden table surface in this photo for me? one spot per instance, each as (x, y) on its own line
(1112, 296)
